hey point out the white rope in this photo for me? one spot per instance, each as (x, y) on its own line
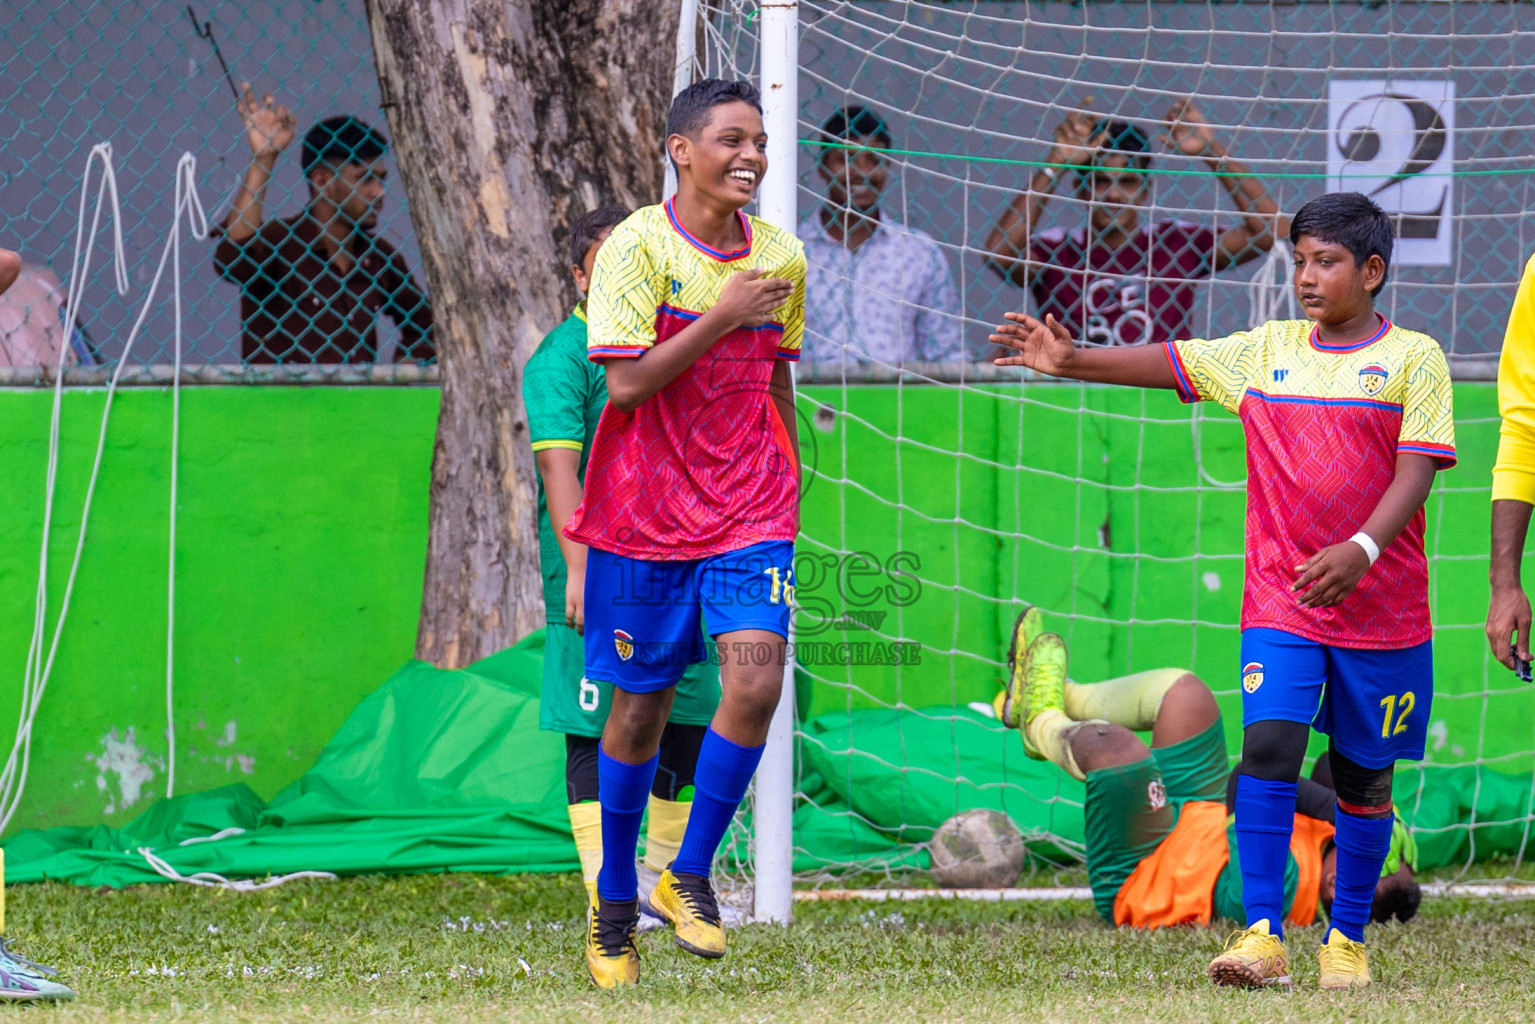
(35, 675)
(1269, 295)
(38, 668)
(214, 880)
(188, 201)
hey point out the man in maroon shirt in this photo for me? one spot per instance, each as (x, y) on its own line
(1117, 280)
(312, 286)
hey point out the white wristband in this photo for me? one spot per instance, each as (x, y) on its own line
(1371, 549)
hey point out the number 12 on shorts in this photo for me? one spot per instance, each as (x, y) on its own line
(1400, 707)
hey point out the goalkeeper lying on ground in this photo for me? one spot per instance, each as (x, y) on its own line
(1160, 847)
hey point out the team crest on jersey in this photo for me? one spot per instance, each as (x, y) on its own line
(1372, 378)
(623, 643)
(1156, 792)
(1252, 676)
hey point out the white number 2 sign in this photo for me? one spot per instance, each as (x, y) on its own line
(1394, 140)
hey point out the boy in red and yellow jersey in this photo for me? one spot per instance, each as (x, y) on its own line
(691, 503)
(1346, 417)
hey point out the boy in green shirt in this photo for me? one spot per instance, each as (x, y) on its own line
(564, 393)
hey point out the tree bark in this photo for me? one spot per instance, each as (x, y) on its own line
(509, 119)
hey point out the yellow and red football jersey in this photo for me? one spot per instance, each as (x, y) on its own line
(1323, 426)
(704, 466)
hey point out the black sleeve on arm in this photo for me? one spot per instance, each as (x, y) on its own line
(1316, 801)
(1311, 798)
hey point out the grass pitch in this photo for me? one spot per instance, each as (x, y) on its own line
(475, 948)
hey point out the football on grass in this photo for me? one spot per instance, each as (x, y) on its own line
(977, 849)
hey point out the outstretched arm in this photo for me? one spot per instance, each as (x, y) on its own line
(1331, 574)
(1047, 347)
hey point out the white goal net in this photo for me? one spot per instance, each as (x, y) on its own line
(944, 494)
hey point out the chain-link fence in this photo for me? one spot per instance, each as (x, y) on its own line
(969, 99)
(1226, 110)
(327, 271)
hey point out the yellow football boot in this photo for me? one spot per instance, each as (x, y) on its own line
(687, 901)
(1029, 624)
(1039, 685)
(1344, 964)
(612, 959)
(1253, 959)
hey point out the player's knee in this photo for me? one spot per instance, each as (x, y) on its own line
(753, 690)
(1192, 699)
(635, 723)
(1363, 792)
(1096, 745)
(1273, 750)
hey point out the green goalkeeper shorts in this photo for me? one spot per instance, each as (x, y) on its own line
(1131, 808)
(577, 706)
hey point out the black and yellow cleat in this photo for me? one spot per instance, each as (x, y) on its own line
(687, 901)
(612, 959)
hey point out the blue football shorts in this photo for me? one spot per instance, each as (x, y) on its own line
(645, 620)
(1374, 704)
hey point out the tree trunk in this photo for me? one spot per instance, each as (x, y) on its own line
(509, 118)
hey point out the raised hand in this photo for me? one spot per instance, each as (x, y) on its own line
(1187, 130)
(269, 128)
(1044, 346)
(751, 298)
(1073, 138)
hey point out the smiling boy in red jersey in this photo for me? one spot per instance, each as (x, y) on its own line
(1346, 420)
(691, 502)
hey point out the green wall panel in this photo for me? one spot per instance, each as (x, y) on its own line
(303, 530)
(301, 542)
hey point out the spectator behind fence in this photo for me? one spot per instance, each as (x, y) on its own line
(876, 290)
(32, 319)
(1117, 281)
(312, 285)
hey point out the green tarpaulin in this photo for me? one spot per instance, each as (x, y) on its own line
(448, 771)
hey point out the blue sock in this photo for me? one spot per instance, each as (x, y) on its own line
(624, 791)
(719, 784)
(1362, 847)
(1265, 813)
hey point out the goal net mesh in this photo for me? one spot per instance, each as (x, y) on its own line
(943, 495)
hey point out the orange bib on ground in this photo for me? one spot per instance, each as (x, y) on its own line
(1175, 885)
(1306, 847)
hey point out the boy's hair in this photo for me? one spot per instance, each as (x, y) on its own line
(1398, 898)
(1121, 137)
(857, 122)
(342, 140)
(589, 226)
(690, 109)
(1350, 220)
